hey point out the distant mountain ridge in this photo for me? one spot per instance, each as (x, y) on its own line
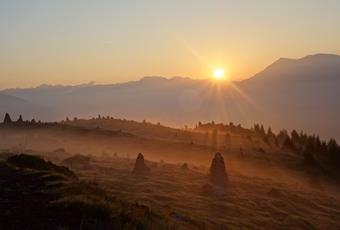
(326, 65)
(16, 106)
(290, 93)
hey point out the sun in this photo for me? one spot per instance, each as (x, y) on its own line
(219, 74)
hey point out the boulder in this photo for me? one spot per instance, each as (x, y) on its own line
(185, 167)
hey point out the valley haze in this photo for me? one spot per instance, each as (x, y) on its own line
(300, 94)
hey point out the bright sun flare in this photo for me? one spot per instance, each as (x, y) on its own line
(219, 74)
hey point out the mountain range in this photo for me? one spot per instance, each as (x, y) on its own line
(290, 93)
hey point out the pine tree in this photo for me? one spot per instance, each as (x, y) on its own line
(262, 132)
(7, 119)
(282, 136)
(288, 143)
(270, 132)
(20, 120)
(333, 150)
(309, 153)
(295, 138)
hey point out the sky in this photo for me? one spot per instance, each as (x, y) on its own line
(108, 41)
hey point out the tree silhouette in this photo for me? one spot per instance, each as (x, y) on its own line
(270, 132)
(295, 138)
(288, 144)
(262, 132)
(333, 152)
(308, 154)
(281, 137)
(20, 120)
(7, 119)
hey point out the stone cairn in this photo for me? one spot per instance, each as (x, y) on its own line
(218, 174)
(140, 166)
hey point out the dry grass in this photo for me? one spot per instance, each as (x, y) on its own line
(268, 189)
(249, 202)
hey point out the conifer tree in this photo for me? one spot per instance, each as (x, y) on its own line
(309, 152)
(270, 132)
(262, 132)
(20, 120)
(295, 138)
(333, 152)
(7, 119)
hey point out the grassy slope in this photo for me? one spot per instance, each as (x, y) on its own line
(262, 190)
(278, 201)
(40, 199)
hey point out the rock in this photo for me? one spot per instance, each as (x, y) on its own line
(140, 166)
(218, 174)
(185, 167)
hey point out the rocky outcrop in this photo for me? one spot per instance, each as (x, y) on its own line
(140, 166)
(218, 174)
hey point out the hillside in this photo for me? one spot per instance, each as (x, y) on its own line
(35, 196)
(273, 199)
(108, 196)
(269, 175)
(108, 136)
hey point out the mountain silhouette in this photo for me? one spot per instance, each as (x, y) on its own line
(16, 106)
(302, 93)
(290, 93)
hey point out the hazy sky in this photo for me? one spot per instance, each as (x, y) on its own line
(72, 42)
